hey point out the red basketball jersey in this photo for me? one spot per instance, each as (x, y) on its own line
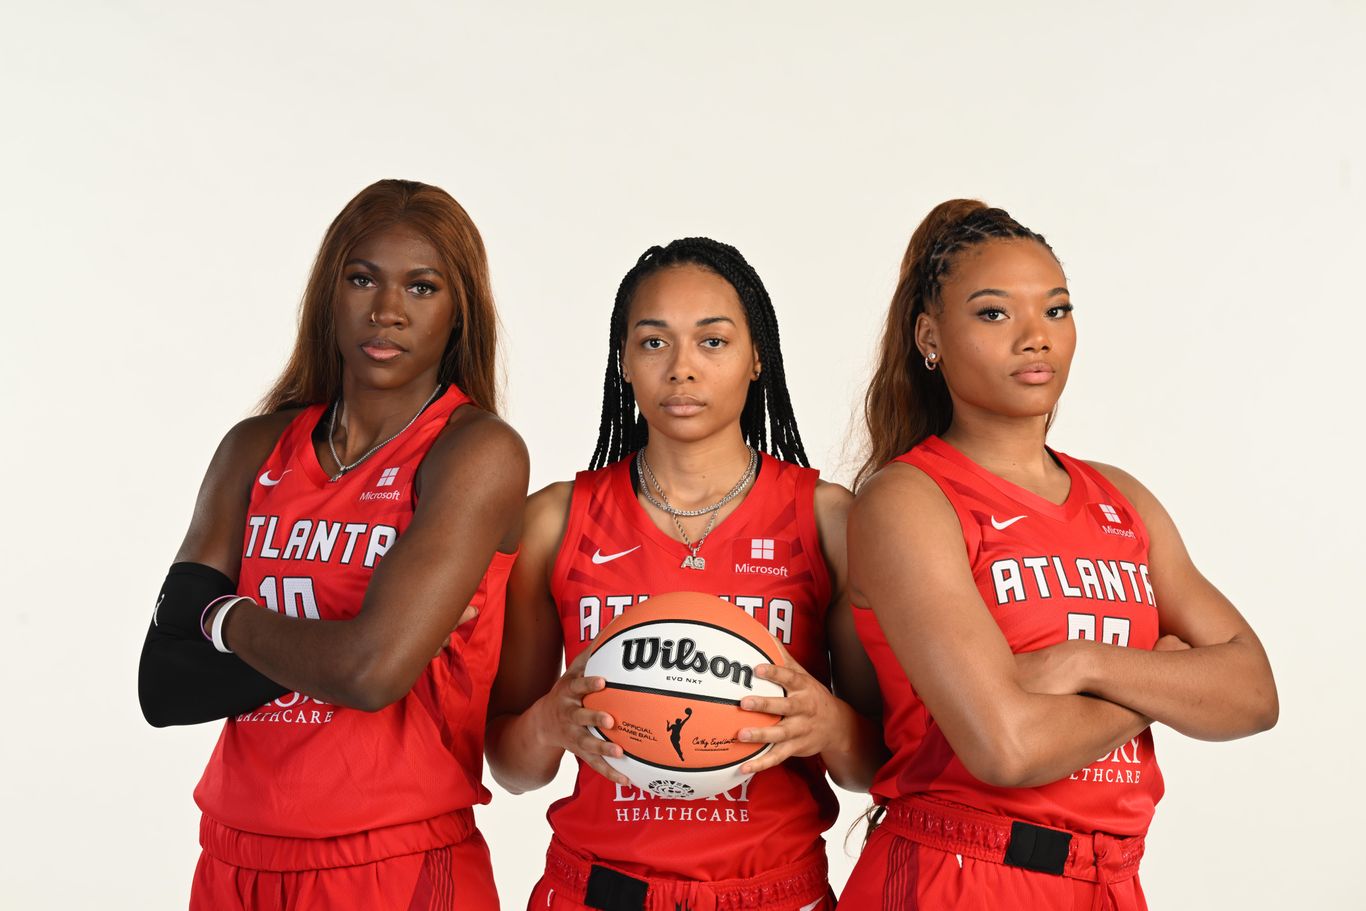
(302, 768)
(765, 559)
(1047, 573)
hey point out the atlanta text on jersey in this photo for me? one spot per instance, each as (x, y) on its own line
(776, 614)
(1100, 580)
(318, 540)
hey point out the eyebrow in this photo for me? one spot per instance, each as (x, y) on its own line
(997, 292)
(705, 321)
(421, 270)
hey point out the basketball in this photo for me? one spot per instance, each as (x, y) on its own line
(676, 668)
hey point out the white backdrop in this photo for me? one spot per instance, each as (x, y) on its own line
(168, 171)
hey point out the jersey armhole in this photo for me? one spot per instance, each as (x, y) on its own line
(810, 534)
(972, 532)
(584, 485)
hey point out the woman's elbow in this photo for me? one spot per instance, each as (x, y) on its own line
(154, 714)
(373, 683)
(1269, 711)
(996, 763)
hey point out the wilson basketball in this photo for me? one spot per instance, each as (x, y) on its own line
(677, 667)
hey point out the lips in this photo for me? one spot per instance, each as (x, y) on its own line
(682, 406)
(1035, 374)
(381, 349)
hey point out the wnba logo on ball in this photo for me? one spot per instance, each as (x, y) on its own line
(683, 655)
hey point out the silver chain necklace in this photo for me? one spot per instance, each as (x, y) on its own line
(692, 560)
(332, 428)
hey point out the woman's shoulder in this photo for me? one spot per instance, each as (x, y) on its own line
(900, 495)
(1130, 488)
(550, 502)
(251, 439)
(832, 500)
(476, 433)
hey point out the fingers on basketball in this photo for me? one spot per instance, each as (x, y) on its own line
(773, 757)
(770, 705)
(582, 686)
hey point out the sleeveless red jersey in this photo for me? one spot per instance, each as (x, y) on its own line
(1047, 573)
(765, 559)
(301, 768)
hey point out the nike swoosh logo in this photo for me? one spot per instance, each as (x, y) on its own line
(266, 481)
(599, 557)
(1002, 526)
(156, 610)
(812, 906)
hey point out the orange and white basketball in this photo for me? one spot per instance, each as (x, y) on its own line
(676, 668)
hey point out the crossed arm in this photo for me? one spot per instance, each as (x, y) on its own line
(1022, 721)
(472, 484)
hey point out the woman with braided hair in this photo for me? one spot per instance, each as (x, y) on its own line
(1026, 612)
(698, 482)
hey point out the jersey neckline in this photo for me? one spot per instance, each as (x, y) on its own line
(1068, 508)
(308, 457)
(641, 518)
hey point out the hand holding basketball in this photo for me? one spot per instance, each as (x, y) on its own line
(813, 720)
(564, 722)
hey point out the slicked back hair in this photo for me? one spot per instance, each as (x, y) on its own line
(906, 401)
(766, 421)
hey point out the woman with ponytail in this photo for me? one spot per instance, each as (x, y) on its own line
(1026, 612)
(698, 483)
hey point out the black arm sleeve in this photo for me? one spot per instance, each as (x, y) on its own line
(182, 678)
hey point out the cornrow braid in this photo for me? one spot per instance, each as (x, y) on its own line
(979, 226)
(766, 421)
(906, 401)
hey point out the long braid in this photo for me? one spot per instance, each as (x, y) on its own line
(767, 420)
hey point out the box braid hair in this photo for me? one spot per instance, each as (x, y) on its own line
(623, 430)
(906, 401)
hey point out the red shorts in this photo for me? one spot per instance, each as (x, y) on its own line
(368, 870)
(570, 877)
(929, 854)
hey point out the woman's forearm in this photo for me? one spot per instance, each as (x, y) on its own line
(858, 752)
(1214, 692)
(1040, 739)
(519, 757)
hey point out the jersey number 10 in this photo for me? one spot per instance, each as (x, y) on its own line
(295, 594)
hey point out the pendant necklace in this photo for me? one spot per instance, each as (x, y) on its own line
(692, 560)
(332, 428)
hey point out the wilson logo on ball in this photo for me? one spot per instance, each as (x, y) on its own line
(677, 668)
(683, 655)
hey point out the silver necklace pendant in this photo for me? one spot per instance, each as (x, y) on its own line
(332, 431)
(648, 479)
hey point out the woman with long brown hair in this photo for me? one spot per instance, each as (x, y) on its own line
(1026, 612)
(377, 491)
